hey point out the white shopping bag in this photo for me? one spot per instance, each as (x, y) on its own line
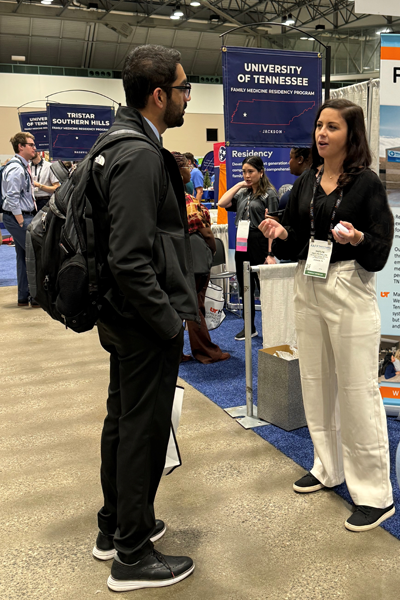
(214, 306)
(173, 458)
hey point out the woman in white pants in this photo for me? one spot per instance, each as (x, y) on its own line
(336, 311)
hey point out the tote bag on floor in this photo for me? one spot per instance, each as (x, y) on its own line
(214, 306)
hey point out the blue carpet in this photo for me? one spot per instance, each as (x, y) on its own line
(224, 383)
(8, 265)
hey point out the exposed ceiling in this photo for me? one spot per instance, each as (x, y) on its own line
(99, 34)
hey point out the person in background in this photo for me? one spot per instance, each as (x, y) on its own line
(300, 161)
(196, 177)
(19, 205)
(250, 199)
(337, 316)
(388, 367)
(203, 349)
(397, 360)
(44, 180)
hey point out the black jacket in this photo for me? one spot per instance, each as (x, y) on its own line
(139, 214)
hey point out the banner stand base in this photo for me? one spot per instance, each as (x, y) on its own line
(246, 422)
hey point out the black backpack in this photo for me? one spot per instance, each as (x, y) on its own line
(62, 267)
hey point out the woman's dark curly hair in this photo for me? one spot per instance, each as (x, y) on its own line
(358, 157)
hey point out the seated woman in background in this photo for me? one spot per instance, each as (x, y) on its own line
(203, 349)
(397, 360)
(388, 366)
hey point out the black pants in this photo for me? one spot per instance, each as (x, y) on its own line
(257, 250)
(143, 374)
(40, 202)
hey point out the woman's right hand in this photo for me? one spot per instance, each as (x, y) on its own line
(272, 229)
(243, 184)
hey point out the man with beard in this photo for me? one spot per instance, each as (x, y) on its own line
(139, 215)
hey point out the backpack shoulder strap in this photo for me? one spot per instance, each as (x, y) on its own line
(11, 161)
(119, 134)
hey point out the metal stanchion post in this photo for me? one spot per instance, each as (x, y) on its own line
(249, 411)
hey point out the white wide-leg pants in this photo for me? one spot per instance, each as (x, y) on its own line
(338, 332)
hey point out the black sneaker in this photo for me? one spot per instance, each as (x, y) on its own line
(241, 336)
(368, 517)
(104, 548)
(153, 571)
(307, 484)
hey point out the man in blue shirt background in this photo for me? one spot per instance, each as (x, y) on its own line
(196, 176)
(19, 205)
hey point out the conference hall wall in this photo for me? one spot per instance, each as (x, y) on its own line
(204, 111)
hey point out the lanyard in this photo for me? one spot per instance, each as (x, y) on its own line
(246, 210)
(40, 170)
(337, 204)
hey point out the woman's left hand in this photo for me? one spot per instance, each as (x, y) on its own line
(270, 260)
(346, 238)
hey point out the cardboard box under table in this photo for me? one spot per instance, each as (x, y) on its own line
(280, 400)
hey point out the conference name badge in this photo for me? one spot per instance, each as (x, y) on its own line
(318, 259)
(242, 236)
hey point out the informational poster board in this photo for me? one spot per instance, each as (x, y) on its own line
(36, 124)
(73, 129)
(207, 163)
(388, 280)
(270, 96)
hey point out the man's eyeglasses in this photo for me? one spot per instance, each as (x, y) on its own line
(187, 89)
(32, 145)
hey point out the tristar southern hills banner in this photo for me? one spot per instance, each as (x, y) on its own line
(36, 124)
(270, 96)
(388, 280)
(73, 129)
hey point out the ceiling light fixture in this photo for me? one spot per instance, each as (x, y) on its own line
(46, 1)
(288, 20)
(177, 11)
(195, 3)
(385, 30)
(304, 38)
(18, 58)
(174, 17)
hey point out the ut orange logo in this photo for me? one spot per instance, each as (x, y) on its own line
(385, 294)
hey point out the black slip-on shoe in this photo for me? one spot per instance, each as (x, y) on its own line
(365, 518)
(153, 571)
(307, 484)
(241, 335)
(104, 548)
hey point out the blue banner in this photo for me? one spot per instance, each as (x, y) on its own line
(73, 129)
(208, 163)
(36, 124)
(270, 96)
(393, 156)
(276, 165)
